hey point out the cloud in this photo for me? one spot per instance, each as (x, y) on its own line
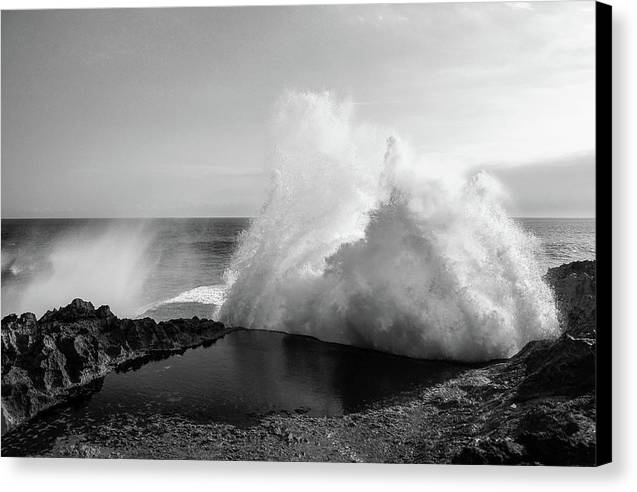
(560, 187)
(519, 5)
(150, 103)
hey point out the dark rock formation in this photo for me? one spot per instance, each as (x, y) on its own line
(492, 452)
(574, 288)
(553, 421)
(555, 433)
(44, 361)
(564, 367)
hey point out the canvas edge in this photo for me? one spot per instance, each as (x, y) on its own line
(603, 222)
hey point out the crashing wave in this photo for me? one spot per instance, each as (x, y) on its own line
(359, 243)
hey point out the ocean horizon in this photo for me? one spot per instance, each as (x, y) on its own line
(171, 267)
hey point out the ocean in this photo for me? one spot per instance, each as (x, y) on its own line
(169, 268)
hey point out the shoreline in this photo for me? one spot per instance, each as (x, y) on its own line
(481, 416)
(537, 407)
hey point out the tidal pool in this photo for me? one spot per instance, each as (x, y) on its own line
(237, 380)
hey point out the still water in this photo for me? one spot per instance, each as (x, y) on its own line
(236, 380)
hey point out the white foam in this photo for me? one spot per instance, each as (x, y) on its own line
(360, 243)
(205, 294)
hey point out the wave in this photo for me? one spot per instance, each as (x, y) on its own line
(205, 294)
(360, 243)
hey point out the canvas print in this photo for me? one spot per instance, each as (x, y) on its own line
(337, 233)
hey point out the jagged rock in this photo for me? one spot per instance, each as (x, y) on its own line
(564, 367)
(548, 433)
(555, 434)
(42, 361)
(76, 310)
(492, 452)
(575, 295)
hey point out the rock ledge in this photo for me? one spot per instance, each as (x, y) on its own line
(44, 361)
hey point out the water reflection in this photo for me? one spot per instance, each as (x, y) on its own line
(236, 380)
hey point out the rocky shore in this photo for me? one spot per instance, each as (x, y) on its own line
(536, 408)
(46, 361)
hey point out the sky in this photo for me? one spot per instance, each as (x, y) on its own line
(164, 112)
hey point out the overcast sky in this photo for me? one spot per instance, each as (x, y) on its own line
(164, 112)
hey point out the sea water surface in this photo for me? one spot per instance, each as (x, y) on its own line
(169, 268)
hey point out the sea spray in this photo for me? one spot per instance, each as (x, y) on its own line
(107, 266)
(359, 243)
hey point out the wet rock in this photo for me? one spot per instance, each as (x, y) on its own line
(565, 367)
(492, 452)
(574, 286)
(557, 435)
(76, 310)
(43, 360)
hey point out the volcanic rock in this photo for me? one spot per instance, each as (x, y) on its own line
(574, 287)
(44, 360)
